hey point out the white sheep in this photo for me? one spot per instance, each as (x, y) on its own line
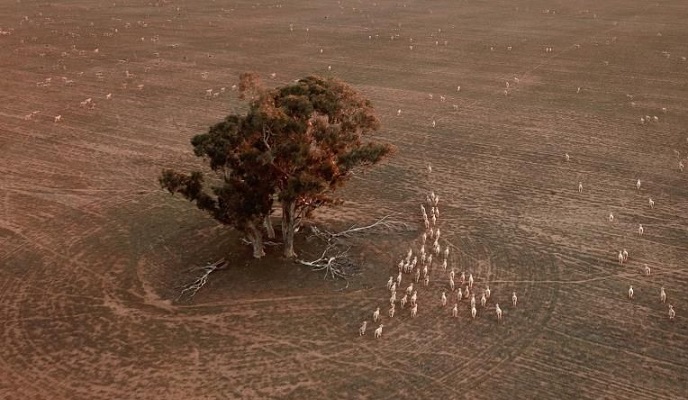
(391, 311)
(414, 310)
(470, 281)
(444, 264)
(378, 332)
(483, 300)
(651, 203)
(610, 217)
(624, 253)
(487, 292)
(417, 277)
(362, 329)
(641, 230)
(108, 96)
(398, 112)
(208, 93)
(393, 288)
(459, 294)
(630, 292)
(473, 312)
(458, 88)
(399, 278)
(473, 300)
(443, 299)
(446, 253)
(424, 237)
(390, 282)
(451, 284)
(637, 184)
(672, 313)
(514, 299)
(620, 258)
(662, 295)
(466, 292)
(376, 314)
(680, 166)
(425, 271)
(462, 278)
(647, 270)
(403, 301)
(498, 311)
(455, 310)
(393, 298)
(426, 281)
(580, 187)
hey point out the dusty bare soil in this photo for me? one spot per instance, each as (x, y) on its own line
(92, 253)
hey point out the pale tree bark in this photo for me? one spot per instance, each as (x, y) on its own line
(255, 236)
(288, 228)
(268, 227)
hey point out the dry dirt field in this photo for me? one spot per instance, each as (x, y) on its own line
(93, 253)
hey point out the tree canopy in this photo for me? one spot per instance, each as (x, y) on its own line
(290, 151)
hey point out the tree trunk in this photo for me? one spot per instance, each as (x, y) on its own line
(256, 238)
(268, 227)
(288, 227)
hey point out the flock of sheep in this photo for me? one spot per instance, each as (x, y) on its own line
(623, 254)
(416, 266)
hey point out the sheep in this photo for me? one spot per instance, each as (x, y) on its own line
(423, 258)
(434, 124)
(455, 107)
(642, 121)
(409, 254)
(426, 222)
(443, 299)
(655, 118)
(624, 253)
(430, 260)
(651, 202)
(472, 300)
(470, 281)
(403, 301)
(390, 282)
(462, 278)
(578, 90)
(398, 112)
(391, 311)
(637, 184)
(57, 118)
(414, 311)
(466, 292)
(399, 278)
(630, 292)
(514, 299)
(108, 96)
(208, 93)
(378, 332)
(444, 264)
(417, 277)
(567, 157)
(580, 187)
(647, 270)
(610, 217)
(621, 258)
(680, 166)
(662, 295)
(455, 310)
(459, 294)
(362, 329)
(473, 312)
(437, 232)
(430, 96)
(376, 314)
(424, 238)
(442, 98)
(672, 313)
(426, 281)
(458, 88)
(498, 311)
(446, 253)
(641, 230)
(425, 271)
(451, 284)
(483, 300)
(393, 288)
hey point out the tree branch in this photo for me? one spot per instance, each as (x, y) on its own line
(196, 285)
(383, 222)
(334, 266)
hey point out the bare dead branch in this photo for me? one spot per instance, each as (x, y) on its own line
(335, 266)
(383, 223)
(196, 285)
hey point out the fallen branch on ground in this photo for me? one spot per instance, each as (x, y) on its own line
(196, 285)
(382, 223)
(335, 266)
